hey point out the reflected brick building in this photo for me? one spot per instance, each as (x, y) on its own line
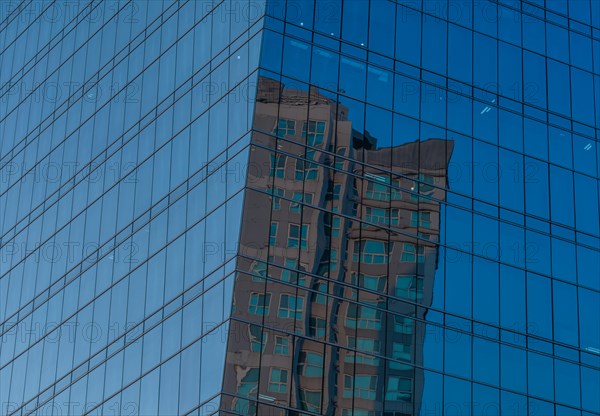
(337, 259)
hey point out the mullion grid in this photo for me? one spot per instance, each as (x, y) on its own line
(482, 214)
(147, 316)
(140, 227)
(545, 110)
(118, 182)
(123, 144)
(69, 102)
(529, 156)
(498, 155)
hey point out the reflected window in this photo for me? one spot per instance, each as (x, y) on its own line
(377, 215)
(316, 327)
(247, 386)
(398, 388)
(328, 262)
(382, 216)
(396, 194)
(290, 273)
(394, 216)
(314, 132)
(403, 324)
(370, 252)
(420, 219)
(401, 352)
(424, 236)
(282, 345)
(258, 338)
(376, 283)
(410, 253)
(377, 187)
(273, 234)
(249, 382)
(337, 189)
(278, 166)
(285, 127)
(299, 197)
(361, 386)
(364, 317)
(306, 170)
(278, 380)
(422, 185)
(319, 296)
(381, 188)
(367, 345)
(339, 162)
(276, 194)
(290, 306)
(335, 227)
(310, 400)
(301, 276)
(298, 236)
(310, 364)
(409, 287)
(259, 271)
(259, 303)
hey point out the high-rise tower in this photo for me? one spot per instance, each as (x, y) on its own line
(299, 207)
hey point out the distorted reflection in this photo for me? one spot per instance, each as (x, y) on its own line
(339, 247)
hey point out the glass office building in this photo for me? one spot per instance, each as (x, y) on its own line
(271, 207)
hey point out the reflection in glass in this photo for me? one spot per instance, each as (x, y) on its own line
(349, 261)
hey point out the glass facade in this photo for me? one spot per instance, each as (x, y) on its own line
(298, 207)
(125, 132)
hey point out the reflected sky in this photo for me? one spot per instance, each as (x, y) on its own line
(516, 213)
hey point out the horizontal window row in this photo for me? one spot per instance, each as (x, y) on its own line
(506, 298)
(466, 235)
(569, 208)
(448, 111)
(506, 24)
(155, 259)
(130, 245)
(373, 369)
